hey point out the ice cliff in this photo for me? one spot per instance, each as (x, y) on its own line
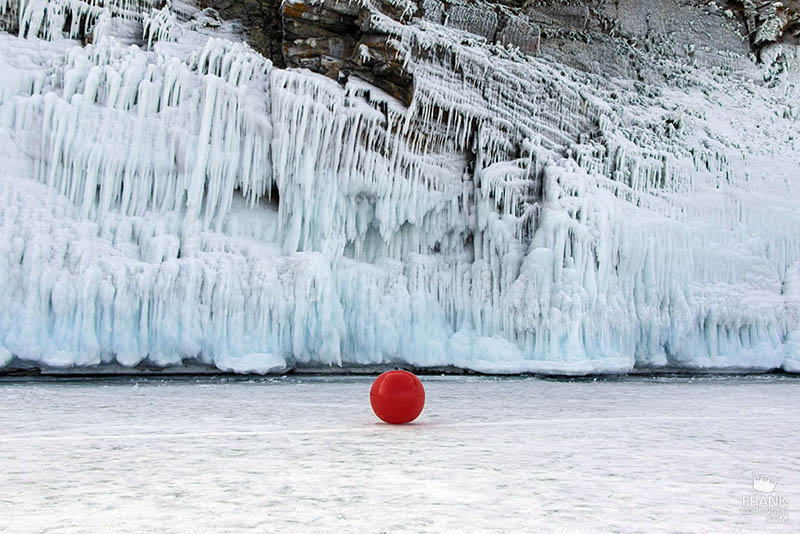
(564, 187)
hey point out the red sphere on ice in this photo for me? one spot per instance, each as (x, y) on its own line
(397, 397)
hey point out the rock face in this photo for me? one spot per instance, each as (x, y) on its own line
(553, 186)
(774, 32)
(770, 22)
(9, 16)
(338, 37)
(260, 20)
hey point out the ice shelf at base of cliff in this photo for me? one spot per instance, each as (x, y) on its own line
(167, 194)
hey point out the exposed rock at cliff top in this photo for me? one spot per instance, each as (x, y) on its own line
(339, 37)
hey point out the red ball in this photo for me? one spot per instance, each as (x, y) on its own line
(397, 397)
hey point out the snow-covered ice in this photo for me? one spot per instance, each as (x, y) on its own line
(167, 194)
(307, 455)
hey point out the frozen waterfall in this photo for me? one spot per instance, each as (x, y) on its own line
(167, 194)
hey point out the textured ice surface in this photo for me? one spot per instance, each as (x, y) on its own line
(510, 455)
(165, 193)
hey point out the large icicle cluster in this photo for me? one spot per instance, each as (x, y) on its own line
(49, 18)
(183, 199)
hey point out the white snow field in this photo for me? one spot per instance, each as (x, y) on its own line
(486, 455)
(166, 194)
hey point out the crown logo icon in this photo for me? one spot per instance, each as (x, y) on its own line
(764, 483)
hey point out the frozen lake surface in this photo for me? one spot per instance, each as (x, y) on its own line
(487, 455)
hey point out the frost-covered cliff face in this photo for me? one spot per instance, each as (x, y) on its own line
(564, 187)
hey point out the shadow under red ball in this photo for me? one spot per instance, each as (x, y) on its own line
(397, 397)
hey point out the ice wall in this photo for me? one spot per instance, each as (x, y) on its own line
(166, 194)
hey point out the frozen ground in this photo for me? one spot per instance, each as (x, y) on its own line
(307, 455)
